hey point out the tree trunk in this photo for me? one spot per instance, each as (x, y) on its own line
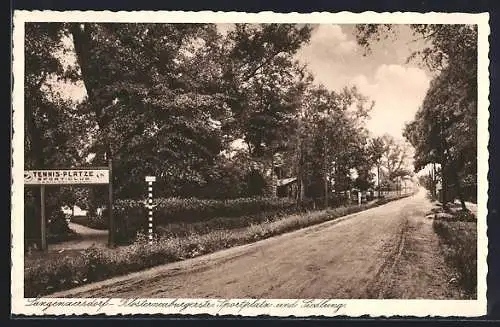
(299, 169)
(302, 190)
(298, 194)
(462, 202)
(444, 168)
(38, 162)
(378, 179)
(459, 191)
(325, 174)
(432, 175)
(444, 184)
(82, 40)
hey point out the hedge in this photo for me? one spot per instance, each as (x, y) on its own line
(458, 240)
(131, 215)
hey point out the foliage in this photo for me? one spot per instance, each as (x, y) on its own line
(154, 114)
(53, 126)
(427, 182)
(459, 245)
(132, 214)
(331, 139)
(165, 99)
(261, 78)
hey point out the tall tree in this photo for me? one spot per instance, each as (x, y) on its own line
(154, 114)
(54, 128)
(263, 82)
(332, 137)
(394, 157)
(375, 152)
(165, 99)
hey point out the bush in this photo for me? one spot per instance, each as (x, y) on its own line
(131, 215)
(459, 245)
(93, 220)
(180, 229)
(58, 229)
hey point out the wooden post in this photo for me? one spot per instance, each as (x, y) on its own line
(150, 180)
(43, 219)
(150, 213)
(325, 173)
(111, 222)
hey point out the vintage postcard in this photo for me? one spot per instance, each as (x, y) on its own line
(323, 164)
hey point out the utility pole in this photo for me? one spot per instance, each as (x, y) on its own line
(325, 153)
(444, 182)
(43, 219)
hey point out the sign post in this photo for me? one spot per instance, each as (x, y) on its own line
(150, 180)
(43, 219)
(87, 176)
(112, 228)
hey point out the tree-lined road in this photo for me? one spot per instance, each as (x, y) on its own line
(386, 252)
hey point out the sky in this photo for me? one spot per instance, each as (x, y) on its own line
(398, 89)
(336, 60)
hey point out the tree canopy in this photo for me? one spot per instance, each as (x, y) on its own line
(172, 99)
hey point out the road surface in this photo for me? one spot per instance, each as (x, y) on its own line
(386, 252)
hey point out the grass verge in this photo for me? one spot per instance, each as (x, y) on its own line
(458, 240)
(42, 277)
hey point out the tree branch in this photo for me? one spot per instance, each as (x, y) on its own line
(254, 71)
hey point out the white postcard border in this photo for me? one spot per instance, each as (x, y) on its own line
(353, 308)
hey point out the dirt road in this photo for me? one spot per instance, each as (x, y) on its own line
(387, 252)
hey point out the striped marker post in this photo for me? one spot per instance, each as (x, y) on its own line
(150, 180)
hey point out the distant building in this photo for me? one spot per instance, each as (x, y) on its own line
(75, 211)
(287, 187)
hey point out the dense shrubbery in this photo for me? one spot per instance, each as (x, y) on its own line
(459, 241)
(57, 226)
(180, 229)
(58, 229)
(131, 214)
(93, 220)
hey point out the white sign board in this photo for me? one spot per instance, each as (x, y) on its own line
(150, 178)
(70, 176)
